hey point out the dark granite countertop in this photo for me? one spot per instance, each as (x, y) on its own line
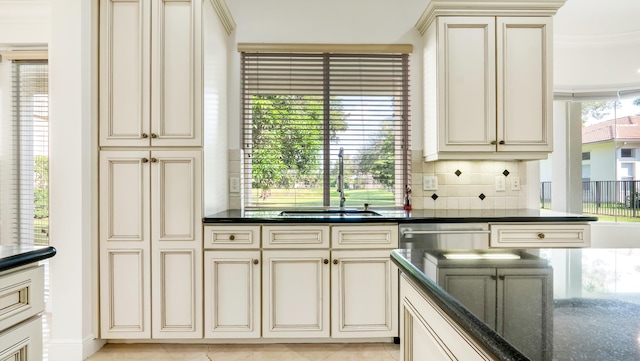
(13, 256)
(594, 312)
(400, 216)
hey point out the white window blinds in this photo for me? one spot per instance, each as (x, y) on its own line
(299, 109)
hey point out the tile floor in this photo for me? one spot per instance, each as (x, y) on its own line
(264, 352)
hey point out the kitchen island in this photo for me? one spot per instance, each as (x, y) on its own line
(22, 301)
(537, 308)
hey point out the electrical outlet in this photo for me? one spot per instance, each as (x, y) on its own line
(234, 185)
(500, 183)
(429, 183)
(515, 183)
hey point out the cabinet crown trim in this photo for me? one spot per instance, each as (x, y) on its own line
(486, 8)
(224, 14)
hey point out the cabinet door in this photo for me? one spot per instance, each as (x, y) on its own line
(125, 48)
(525, 83)
(364, 294)
(466, 84)
(176, 80)
(232, 294)
(125, 303)
(525, 297)
(295, 293)
(176, 243)
(475, 288)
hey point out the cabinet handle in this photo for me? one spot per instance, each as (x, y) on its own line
(501, 142)
(501, 278)
(154, 135)
(493, 142)
(494, 278)
(541, 235)
(326, 261)
(145, 160)
(154, 160)
(232, 237)
(255, 261)
(335, 261)
(144, 135)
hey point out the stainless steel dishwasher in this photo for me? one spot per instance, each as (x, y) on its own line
(443, 236)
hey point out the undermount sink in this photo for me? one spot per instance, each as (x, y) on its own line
(329, 213)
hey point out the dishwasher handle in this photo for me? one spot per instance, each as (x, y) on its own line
(469, 231)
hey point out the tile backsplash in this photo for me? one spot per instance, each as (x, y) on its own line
(468, 184)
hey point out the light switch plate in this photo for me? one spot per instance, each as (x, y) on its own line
(234, 185)
(501, 183)
(429, 183)
(515, 183)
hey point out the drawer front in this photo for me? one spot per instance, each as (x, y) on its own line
(22, 342)
(232, 236)
(21, 295)
(369, 236)
(540, 235)
(291, 236)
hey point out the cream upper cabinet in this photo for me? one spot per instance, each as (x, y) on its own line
(151, 224)
(488, 88)
(150, 73)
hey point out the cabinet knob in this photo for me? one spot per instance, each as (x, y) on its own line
(232, 237)
(501, 278)
(501, 142)
(145, 160)
(335, 261)
(493, 142)
(144, 135)
(541, 235)
(154, 135)
(154, 160)
(326, 261)
(255, 261)
(494, 278)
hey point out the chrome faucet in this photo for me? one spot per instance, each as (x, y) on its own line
(340, 179)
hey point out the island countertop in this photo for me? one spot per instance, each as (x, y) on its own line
(13, 256)
(594, 306)
(401, 216)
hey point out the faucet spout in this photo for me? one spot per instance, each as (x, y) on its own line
(340, 179)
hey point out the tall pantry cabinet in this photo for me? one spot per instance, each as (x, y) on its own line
(150, 168)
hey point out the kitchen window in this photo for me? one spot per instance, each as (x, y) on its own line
(300, 109)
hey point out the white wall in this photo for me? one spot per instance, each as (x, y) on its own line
(216, 44)
(25, 23)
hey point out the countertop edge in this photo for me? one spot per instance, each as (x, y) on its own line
(484, 335)
(23, 258)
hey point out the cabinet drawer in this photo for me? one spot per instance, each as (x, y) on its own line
(540, 235)
(381, 236)
(21, 295)
(290, 236)
(232, 236)
(22, 342)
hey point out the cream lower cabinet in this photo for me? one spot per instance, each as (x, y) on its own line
(364, 294)
(295, 293)
(150, 224)
(232, 294)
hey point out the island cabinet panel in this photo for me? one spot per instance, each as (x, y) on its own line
(364, 288)
(232, 294)
(295, 293)
(150, 73)
(22, 342)
(428, 333)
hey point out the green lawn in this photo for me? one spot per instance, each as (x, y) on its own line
(312, 197)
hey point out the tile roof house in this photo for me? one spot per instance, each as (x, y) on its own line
(611, 150)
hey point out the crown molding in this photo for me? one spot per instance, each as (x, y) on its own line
(486, 8)
(224, 14)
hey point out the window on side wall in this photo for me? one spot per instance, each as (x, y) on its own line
(300, 109)
(24, 153)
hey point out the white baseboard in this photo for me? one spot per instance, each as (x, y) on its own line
(74, 350)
